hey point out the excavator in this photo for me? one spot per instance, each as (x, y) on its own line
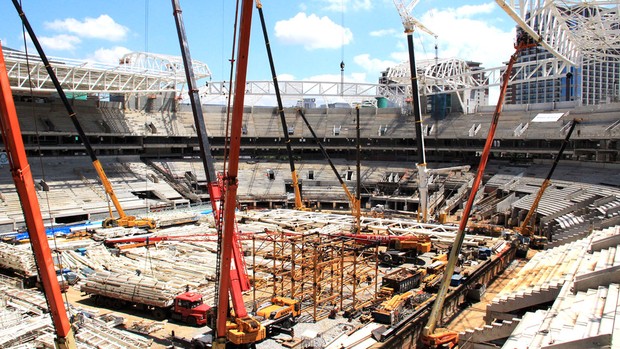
(433, 336)
(123, 219)
(240, 329)
(527, 231)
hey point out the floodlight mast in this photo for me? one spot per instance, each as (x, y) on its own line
(410, 24)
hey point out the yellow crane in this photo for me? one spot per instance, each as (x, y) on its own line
(539, 241)
(123, 220)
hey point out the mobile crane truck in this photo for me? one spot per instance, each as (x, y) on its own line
(114, 290)
(279, 314)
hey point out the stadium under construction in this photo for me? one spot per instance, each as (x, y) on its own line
(342, 237)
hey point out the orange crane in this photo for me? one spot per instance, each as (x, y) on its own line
(538, 241)
(432, 336)
(22, 176)
(123, 220)
(230, 269)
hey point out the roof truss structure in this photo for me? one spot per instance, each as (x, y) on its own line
(573, 31)
(139, 72)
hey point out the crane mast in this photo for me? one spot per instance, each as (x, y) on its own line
(410, 24)
(22, 177)
(215, 186)
(354, 201)
(254, 328)
(232, 278)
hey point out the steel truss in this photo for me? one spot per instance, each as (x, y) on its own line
(456, 76)
(584, 34)
(574, 31)
(137, 73)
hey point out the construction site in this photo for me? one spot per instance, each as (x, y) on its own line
(157, 220)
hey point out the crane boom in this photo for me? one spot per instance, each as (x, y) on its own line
(354, 201)
(295, 180)
(524, 229)
(410, 24)
(124, 219)
(431, 337)
(22, 176)
(232, 276)
(214, 183)
(249, 330)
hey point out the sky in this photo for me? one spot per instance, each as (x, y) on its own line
(309, 39)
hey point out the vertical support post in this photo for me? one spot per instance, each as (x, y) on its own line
(342, 275)
(354, 275)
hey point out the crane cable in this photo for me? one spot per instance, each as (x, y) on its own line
(146, 49)
(43, 176)
(230, 89)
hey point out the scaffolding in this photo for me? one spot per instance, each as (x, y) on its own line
(326, 273)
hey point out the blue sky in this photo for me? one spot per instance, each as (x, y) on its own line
(308, 38)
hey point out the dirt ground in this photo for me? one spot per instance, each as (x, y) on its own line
(161, 337)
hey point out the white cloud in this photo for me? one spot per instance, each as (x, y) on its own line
(373, 66)
(102, 27)
(463, 36)
(346, 5)
(471, 10)
(60, 42)
(400, 56)
(313, 32)
(286, 77)
(383, 32)
(108, 56)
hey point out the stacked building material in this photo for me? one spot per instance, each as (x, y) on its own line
(131, 288)
(18, 259)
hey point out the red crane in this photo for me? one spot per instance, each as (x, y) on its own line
(433, 336)
(232, 277)
(22, 176)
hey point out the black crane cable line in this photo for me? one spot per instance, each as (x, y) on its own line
(230, 87)
(43, 175)
(146, 49)
(220, 211)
